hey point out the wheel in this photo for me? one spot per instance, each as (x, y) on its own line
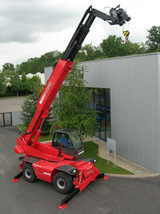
(28, 173)
(63, 182)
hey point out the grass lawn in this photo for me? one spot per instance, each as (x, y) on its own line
(91, 151)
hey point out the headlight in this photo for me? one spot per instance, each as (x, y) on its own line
(74, 171)
(94, 161)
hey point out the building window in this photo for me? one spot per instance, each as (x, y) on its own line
(101, 104)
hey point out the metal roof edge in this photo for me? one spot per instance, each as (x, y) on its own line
(121, 57)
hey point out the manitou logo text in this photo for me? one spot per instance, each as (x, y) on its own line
(45, 92)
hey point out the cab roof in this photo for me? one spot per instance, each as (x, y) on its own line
(66, 130)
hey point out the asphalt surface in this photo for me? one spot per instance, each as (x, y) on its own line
(114, 196)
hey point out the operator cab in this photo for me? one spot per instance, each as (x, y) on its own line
(70, 140)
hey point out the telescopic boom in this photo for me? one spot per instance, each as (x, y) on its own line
(117, 16)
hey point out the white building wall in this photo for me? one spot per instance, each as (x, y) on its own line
(158, 144)
(47, 72)
(134, 86)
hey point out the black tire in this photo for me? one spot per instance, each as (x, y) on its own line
(63, 182)
(28, 173)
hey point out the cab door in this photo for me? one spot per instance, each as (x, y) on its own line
(66, 142)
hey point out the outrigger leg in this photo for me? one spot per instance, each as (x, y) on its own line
(16, 178)
(64, 202)
(102, 176)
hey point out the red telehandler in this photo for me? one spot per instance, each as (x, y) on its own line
(56, 162)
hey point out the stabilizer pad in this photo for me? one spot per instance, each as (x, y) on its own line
(104, 178)
(15, 180)
(62, 206)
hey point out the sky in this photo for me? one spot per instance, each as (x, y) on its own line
(31, 28)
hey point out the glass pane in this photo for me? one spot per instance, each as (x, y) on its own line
(107, 114)
(107, 92)
(102, 124)
(107, 102)
(77, 140)
(101, 112)
(101, 91)
(96, 100)
(102, 134)
(101, 101)
(108, 127)
(96, 91)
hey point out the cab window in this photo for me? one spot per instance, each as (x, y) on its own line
(62, 138)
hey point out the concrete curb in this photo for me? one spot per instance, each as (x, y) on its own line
(133, 176)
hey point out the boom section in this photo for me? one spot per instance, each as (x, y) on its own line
(58, 75)
(81, 32)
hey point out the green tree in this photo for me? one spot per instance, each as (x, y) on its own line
(48, 59)
(29, 107)
(131, 48)
(35, 65)
(33, 83)
(25, 87)
(153, 41)
(73, 107)
(7, 75)
(8, 67)
(89, 52)
(112, 46)
(15, 82)
(3, 87)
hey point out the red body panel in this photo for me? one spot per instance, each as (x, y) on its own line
(86, 172)
(41, 150)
